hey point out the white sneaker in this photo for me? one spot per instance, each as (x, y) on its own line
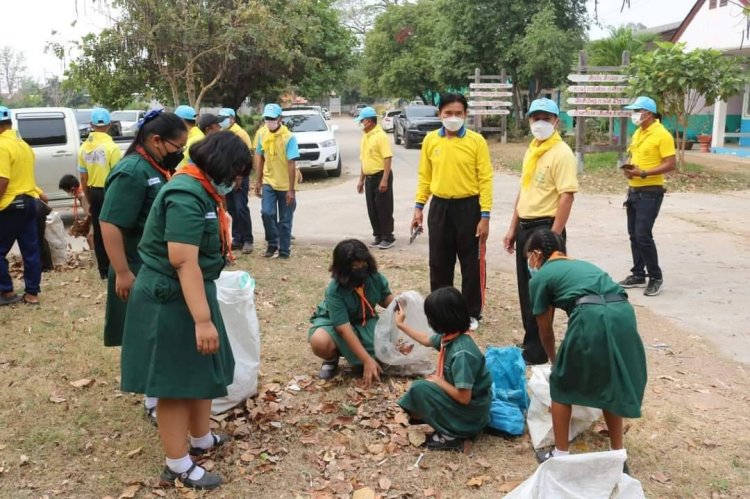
(473, 324)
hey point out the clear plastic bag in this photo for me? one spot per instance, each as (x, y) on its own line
(388, 339)
(54, 233)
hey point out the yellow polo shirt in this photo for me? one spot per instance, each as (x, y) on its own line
(98, 155)
(374, 149)
(556, 173)
(193, 136)
(276, 166)
(17, 165)
(455, 168)
(241, 133)
(648, 148)
(257, 136)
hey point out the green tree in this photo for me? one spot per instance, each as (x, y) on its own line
(608, 51)
(400, 50)
(682, 82)
(12, 69)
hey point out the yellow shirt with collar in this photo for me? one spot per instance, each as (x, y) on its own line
(556, 173)
(98, 155)
(242, 134)
(374, 149)
(193, 136)
(17, 165)
(455, 168)
(258, 135)
(648, 148)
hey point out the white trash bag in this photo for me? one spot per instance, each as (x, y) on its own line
(54, 233)
(236, 293)
(539, 417)
(389, 338)
(594, 475)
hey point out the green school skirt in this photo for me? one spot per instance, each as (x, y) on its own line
(114, 318)
(366, 335)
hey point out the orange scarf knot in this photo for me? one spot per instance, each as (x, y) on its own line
(360, 290)
(140, 150)
(193, 171)
(447, 338)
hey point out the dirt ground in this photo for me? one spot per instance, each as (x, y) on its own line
(67, 431)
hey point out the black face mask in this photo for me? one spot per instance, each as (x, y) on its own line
(172, 159)
(358, 276)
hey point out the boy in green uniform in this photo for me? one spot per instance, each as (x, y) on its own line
(601, 362)
(129, 193)
(344, 322)
(175, 346)
(456, 399)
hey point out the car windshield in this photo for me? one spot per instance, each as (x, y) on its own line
(125, 116)
(83, 116)
(422, 112)
(305, 123)
(392, 113)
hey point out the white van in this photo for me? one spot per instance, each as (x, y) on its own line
(53, 134)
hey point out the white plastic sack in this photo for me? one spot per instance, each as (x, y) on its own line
(54, 233)
(236, 293)
(594, 475)
(539, 417)
(388, 337)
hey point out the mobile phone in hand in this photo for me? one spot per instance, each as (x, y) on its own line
(627, 166)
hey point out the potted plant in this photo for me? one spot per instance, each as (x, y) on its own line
(704, 139)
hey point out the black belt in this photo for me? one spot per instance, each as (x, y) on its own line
(600, 299)
(529, 223)
(648, 188)
(96, 188)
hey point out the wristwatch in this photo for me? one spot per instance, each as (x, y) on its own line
(643, 174)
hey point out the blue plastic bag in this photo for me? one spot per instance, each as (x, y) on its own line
(509, 397)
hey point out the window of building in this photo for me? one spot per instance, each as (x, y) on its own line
(711, 4)
(723, 3)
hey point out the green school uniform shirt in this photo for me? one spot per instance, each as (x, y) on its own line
(465, 367)
(342, 305)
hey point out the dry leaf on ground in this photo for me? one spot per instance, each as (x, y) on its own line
(417, 438)
(83, 383)
(135, 452)
(130, 492)
(478, 481)
(660, 478)
(384, 483)
(364, 493)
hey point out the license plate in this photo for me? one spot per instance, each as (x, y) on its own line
(304, 164)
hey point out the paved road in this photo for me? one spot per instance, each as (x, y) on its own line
(704, 240)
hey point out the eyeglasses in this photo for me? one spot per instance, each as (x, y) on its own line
(179, 148)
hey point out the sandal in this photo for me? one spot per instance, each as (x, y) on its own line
(219, 440)
(26, 300)
(9, 300)
(207, 481)
(329, 368)
(438, 441)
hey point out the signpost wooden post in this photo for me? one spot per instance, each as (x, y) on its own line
(589, 84)
(486, 98)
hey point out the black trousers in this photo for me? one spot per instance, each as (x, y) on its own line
(643, 205)
(380, 206)
(452, 227)
(96, 199)
(532, 344)
(45, 256)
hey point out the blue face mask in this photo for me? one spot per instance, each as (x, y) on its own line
(222, 189)
(224, 124)
(532, 270)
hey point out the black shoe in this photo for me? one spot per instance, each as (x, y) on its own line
(654, 287)
(284, 256)
(543, 455)
(375, 243)
(219, 440)
(207, 481)
(236, 246)
(632, 281)
(625, 468)
(386, 244)
(328, 369)
(437, 441)
(271, 252)
(247, 248)
(534, 358)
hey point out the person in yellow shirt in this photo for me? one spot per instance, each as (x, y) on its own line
(548, 185)
(456, 171)
(652, 154)
(209, 124)
(195, 134)
(277, 174)
(375, 178)
(98, 155)
(238, 199)
(18, 208)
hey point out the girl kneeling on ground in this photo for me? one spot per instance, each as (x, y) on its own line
(344, 322)
(455, 400)
(174, 344)
(601, 362)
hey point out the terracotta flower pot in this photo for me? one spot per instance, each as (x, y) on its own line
(705, 143)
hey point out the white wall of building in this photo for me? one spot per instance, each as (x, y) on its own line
(720, 28)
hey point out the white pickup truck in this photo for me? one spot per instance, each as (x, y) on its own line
(53, 134)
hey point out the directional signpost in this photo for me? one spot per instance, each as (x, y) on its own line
(490, 98)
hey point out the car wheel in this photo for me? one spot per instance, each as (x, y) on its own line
(396, 138)
(337, 171)
(407, 142)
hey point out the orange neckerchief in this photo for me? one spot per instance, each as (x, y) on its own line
(140, 150)
(75, 202)
(447, 338)
(193, 171)
(360, 290)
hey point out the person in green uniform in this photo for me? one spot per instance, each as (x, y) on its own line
(344, 322)
(455, 400)
(129, 192)
(174, 344)
(601, 362)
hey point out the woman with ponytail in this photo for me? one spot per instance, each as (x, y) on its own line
(601, 362)
(175, 347)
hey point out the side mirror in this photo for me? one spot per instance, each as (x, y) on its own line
(334, 128)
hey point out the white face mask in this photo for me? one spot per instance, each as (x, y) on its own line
(542, 130)
(225, 123)
(453, 124)
(272, 125)
(636, 118)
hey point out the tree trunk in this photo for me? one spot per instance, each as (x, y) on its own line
(208, 87)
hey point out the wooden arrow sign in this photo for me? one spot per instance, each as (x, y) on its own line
(598, 113)
(491, 86)
(485, 112)
(489, 103)
(578, 78)
(597, 89)
(496, 95)
(599, 101)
